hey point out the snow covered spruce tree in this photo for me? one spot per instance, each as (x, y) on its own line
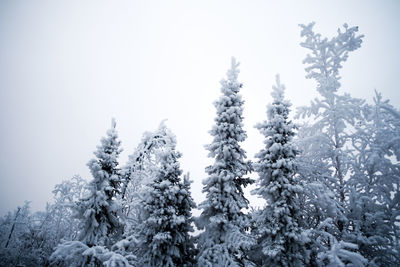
(325, 159)
(162, 238)
(277, 227)
(99, 211)
(224, 239)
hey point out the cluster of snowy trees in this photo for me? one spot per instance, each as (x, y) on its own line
(330, 181)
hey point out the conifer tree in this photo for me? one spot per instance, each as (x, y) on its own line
(375, 196)
(100, 210)
(325, 161)
(163, 239)
(332, 112)
(277, 224)
(224, 239)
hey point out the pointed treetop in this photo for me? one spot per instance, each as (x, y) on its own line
(233, 72)
(278, 90)
(113, 123)
(162, 124)
(234, 63)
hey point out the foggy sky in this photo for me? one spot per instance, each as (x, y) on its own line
(68, 67)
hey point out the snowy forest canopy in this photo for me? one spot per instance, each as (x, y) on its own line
(330, 180)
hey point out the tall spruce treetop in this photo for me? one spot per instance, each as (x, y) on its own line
(224, 239)
(100, 210)
(277, 225)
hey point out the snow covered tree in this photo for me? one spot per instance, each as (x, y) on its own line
(225, 239)
(277, 225)
(30, 238)
(375, 199)
(60, 216)
(325, 142)
(18, 239)
(152, 208)
(158, 205)
(163, 236)
(331, 112)
(99, 212)
(57, 222)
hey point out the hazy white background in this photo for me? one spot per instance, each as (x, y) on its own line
(67, 67)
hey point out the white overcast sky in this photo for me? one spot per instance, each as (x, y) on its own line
(68, 67)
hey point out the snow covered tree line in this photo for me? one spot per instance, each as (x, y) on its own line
(331, 184)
